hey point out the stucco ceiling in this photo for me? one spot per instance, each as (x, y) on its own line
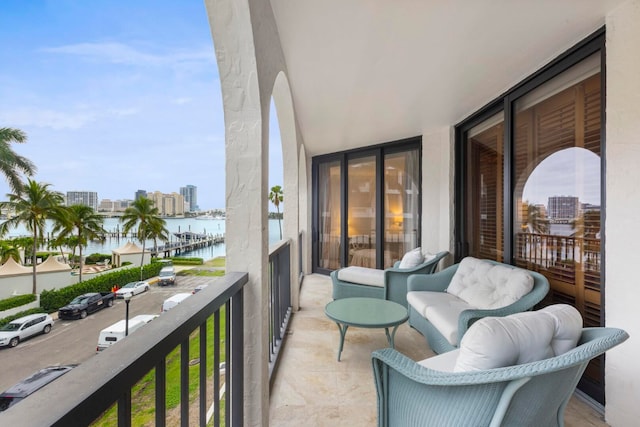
(369, 71)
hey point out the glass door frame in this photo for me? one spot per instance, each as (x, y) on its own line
(506, 103)
(379, 151)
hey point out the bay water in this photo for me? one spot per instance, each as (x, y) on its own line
(174, 225)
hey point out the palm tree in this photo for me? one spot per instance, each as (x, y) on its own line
(8, 250)
(12, 164)
(80, 221)
(276, 197)
(32, 206)
(146, 217)
(534, 219)
(157, 230)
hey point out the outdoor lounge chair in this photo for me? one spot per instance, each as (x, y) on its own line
(535, 393)
(390, 284)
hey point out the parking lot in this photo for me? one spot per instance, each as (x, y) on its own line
(74, 341)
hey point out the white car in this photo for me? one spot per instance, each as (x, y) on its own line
(13, 332)
(131, 289)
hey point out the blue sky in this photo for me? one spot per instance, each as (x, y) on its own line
(116, 96)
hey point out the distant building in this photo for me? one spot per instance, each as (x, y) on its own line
(140, 193)
(168, 204)
(563, 207)
(107, 205)
(88, 198)
(190, 194)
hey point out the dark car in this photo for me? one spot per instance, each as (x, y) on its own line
(86, 304)
(24, 388)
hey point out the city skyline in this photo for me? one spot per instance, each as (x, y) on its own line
(112, 102)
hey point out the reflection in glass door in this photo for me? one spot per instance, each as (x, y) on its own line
(484, 188)
(547, 216)
(401, 204)
(366, 206)
(361, 211)
(329, 215)
(556, 194)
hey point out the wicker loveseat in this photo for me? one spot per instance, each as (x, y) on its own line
(443, 305)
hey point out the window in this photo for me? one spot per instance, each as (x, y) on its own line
(529, 191)
(366, 206)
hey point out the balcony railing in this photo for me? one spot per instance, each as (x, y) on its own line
(279, 298)
(84, 394)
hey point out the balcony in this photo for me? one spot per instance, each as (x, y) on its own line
(312, 388)
(309, 386)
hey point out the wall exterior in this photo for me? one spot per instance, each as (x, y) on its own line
(21, 284)
(437, 191)
(622, 232)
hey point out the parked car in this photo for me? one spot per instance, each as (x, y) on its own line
(114, 333)
(85, 304)
(167, 276)
(132, 288)
(20, 329)
(24, 388)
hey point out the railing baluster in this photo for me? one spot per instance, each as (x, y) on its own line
(184, 383)
(216, 368)
(124, 409)
(203, 374)
(161, 393)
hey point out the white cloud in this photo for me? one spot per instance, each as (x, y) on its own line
(120, 53)
(182, 101)
(57, 120)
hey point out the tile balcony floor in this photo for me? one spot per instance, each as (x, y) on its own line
(312, 388)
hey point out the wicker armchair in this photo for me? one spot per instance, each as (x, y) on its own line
(394, 287)
(530, 394)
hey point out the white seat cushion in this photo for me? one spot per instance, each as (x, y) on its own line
(494, 342)
(441, 309)
(362, 275)
(411, 259)
(487, 286)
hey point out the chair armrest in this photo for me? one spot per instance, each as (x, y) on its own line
(436, 282)
(593, 342)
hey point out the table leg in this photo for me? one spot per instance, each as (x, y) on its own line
(392, 336)
(343, 332)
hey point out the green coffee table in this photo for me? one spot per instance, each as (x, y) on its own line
(366, 313)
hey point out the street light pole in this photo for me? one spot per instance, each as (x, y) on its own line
(127, 298)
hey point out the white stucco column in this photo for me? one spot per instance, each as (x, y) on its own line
(437, 191)
(622, 227)
(246, 191)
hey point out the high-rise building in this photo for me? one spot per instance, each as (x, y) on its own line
(190, 194)
(88, 198)
(563, 207)
(168, 204)
(140, 193)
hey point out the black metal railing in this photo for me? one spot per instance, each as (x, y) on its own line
(279, 298)
(83, 395)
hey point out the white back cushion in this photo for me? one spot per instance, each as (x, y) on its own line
(411, 259)
(487, 286)
(494, 342)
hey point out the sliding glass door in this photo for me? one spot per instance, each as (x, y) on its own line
(530, 187)
(366, 206)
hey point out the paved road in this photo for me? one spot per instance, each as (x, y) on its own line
(74, 341)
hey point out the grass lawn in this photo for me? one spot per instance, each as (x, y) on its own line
(143, 393)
